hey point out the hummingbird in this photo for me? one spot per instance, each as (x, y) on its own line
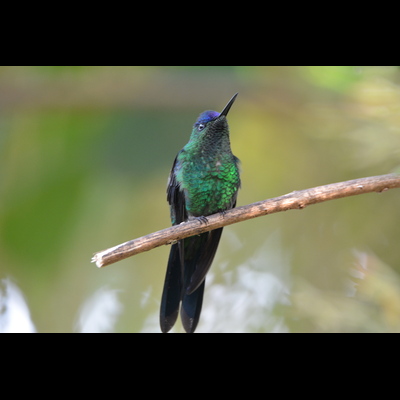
(204, 180)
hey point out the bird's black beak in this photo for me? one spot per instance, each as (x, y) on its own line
(229, 105)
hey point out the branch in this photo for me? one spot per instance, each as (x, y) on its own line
(291, 201)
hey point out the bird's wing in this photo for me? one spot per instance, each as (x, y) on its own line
(172, 292)
(176, 197)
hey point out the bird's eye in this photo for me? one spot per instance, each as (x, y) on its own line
(200, 127)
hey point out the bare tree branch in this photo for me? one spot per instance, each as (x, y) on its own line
(290, 201)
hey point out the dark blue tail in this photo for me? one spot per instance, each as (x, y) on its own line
(188, 264)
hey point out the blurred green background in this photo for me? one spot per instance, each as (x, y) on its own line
(85, 153)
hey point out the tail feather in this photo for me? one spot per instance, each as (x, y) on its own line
(207, 245)
(191, 308)
(186, 284)
(171, 296)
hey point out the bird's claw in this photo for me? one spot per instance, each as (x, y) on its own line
(202, 219)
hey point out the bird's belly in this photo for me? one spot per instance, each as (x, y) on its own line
(209, 197)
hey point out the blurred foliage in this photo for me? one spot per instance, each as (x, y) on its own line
(84, 157)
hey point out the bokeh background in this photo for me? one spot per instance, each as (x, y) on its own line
(85, 153)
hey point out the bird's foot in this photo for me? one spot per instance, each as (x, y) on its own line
(202, 219)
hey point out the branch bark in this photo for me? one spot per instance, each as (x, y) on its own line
(291, 201)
